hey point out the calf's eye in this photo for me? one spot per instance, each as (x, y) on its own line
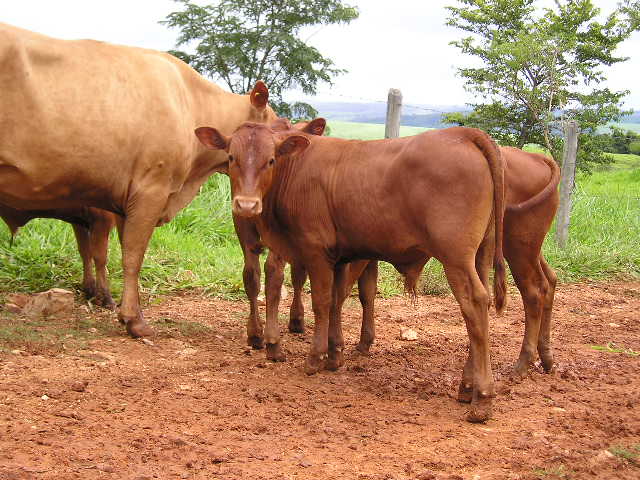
(271, 162)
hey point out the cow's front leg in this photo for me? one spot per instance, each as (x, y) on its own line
(274, 275)
(367, 288)
(321, 276)
(142, 214)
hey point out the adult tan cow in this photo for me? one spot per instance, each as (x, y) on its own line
(90, 124)
(91, 227)
(324, 202)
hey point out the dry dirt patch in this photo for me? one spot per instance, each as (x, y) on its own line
(196, 403)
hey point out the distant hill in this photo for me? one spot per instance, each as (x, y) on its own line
(426, 116)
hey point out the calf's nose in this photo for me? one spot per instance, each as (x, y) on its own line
(247, 206)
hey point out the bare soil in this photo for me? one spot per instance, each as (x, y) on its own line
(198, 404)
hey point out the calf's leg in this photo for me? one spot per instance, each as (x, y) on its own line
(544, 339)
(474, 303)
(274, 273)
(99, 237)
(367, 286)
(250, 244)
(296, 314)
(341, 290)
(84, 247)
(321, 276)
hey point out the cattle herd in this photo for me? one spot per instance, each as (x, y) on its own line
(101, 135)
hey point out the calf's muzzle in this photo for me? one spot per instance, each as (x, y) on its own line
(247, 206)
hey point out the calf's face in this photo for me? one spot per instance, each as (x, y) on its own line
(254, 150)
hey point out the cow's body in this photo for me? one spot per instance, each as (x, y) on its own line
(86, 123)
(401, 200)
(91, 227)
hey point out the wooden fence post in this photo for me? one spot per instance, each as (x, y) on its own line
(567, 180)
(394, 108)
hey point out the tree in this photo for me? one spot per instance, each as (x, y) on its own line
(541, 66)
(242, 41)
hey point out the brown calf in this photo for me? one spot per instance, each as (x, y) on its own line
(324, 202)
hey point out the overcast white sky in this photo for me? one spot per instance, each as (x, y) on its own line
(401, 44)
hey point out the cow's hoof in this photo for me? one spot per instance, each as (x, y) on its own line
(255, 342)
(363, 349)
(296, 325)
(336, 360)
(89, 291)
(139, 329)
(465, 392)
(275, 353)
(314, 363)
(480, 410)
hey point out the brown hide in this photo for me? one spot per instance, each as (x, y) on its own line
(401, 200)
(86, 123)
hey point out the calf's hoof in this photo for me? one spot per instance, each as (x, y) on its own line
(363, 349)
(465, 392)
(139, 329)
(256, 342)
(521, 368)
(296, 325)
(546, 360)
(336, 360)
(105, 301)
(89, 291)
(314, 363)
(275, 353)
(480, 410)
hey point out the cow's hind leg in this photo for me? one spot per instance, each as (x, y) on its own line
(100, 230)
(544, 339)
(474, 303)
(296, 314)
(84, 247)
(274, 274)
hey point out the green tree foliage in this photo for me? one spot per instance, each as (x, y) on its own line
(540, 66)
(619, 140)
(242, 41)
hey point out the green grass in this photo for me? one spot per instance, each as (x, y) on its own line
(366, 131)
(613, 348)
(631, 454)
(199, 250)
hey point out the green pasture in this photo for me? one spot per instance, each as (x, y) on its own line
(198, 249)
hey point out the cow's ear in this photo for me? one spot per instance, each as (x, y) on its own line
(292, 145)
(212, 138)
(315, 127)
(259, 95)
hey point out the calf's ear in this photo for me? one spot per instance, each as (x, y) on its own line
(259, 96)
(212, 138)
(315, 127)
(292, 145)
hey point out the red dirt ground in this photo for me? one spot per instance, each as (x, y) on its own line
(197, 404)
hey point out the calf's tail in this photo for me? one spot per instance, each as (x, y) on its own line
(543, 194)
(496, 165)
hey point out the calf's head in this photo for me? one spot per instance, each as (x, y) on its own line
(254, 151)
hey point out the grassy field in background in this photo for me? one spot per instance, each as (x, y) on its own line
(198, 249)
(366, 131)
